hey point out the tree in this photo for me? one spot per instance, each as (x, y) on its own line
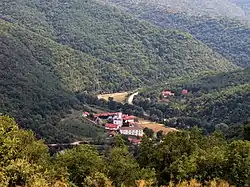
(122, 167)
(149, 132)
(238, 164)
(25, 161)
(246, 133)
(222, 127)
(97, 179)
(146, 152)
(81, 161)
(159, 134)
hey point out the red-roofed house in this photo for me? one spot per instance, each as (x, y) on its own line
(167, 93)
(85, 114)
(111, 126)
(134, 141)
(129, 119)
(184, 92)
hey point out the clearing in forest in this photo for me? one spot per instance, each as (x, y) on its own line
(118, 97)
(156, 126)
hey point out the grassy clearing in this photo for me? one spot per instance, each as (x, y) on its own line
(118, 97)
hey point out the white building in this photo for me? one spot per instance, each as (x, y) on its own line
(129, 119)
(117, 119)
(134, 130)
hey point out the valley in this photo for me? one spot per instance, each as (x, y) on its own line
(124, 93)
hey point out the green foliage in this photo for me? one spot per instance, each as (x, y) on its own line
(212, 99)
(229, 38)
(191, 155)
(25, 161)
(122, 167)
(128, 51)
(80, 128)
(81, 162)
(148, 132)
(212, 8)
(51, 49)
(247, 131)
(181, 156)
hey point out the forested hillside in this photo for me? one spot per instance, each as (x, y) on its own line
(130, 52)
(178, 159)
(212, 100)
(230, 38)
(51, 50)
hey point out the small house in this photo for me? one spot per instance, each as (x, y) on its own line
(111, 126)
(184, 92)
(129, 119)
(167, 93)
(85, 114)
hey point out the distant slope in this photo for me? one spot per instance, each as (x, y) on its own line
(126, 52)
(203, 84)
(244, 4)
(212, 99)
(32, 88)
(229, 38)
(212, 8)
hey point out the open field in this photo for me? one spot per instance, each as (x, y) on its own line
(155, 126)
(119, 97)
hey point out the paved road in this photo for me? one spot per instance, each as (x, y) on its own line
(131, 98)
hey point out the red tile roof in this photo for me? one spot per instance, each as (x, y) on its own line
(111, 126)
(134, 141)
(129, 117)
(136, 126)
(106, 114)
(184, 92)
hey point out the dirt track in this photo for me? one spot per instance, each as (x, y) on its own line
(131, 98)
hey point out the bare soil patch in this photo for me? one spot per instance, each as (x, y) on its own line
(156, 126)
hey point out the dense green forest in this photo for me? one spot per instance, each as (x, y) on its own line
(57, 55)
(213, 99)
(228, 37)
(127, 53)
(53, 50)
(185, 158)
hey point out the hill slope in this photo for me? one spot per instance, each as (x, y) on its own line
(50, 50)
(33, 89)
(212, 8)
(127, 50)
(212, 99)
(229, 38)
(244, 4)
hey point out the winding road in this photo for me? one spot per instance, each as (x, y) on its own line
(131, 98)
